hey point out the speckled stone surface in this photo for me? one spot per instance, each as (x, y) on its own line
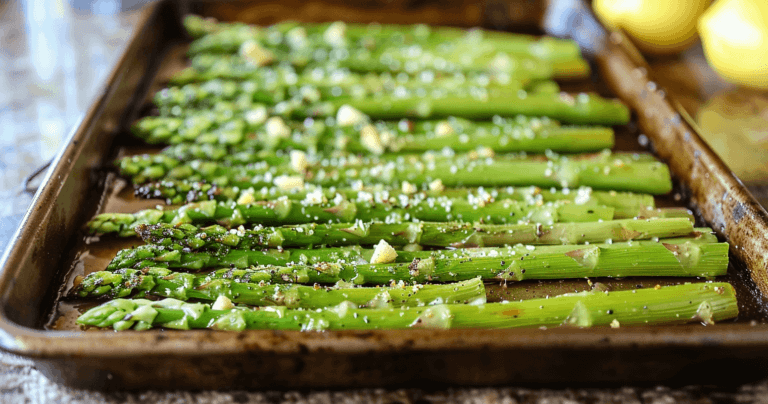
(55, 55)
(21, 383)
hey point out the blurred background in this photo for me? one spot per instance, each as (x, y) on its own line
(55, 56)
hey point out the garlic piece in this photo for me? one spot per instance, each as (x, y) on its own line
(443, 129)
(408, 188)
(222, 303)
(246, 198)
(437, 185)
(299, 161)
(253, 52)
(383, 253)
(275, 127)
(348, 116)
(289, 182)
(370, 139)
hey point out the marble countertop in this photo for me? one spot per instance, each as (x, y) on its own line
(56, 54)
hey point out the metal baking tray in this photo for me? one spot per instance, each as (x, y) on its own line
(50, 247)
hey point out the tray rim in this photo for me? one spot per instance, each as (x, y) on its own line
(48, 344)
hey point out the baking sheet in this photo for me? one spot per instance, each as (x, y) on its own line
(51, 243)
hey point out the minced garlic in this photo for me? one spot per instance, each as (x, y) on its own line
(383, 253)
(222, 303)
(253, 52)
(348, 116)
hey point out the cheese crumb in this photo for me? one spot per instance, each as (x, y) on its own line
(297, 38)
(437, 185)
(443, 129)
(502, 63)
(315, 197)
(615, 323)
(256, 116)
(387, 138)
(246, 198)
(222, 303)
(348, 116)
(335, 35)
(253, 52)
(277, 128)
(383, 253)
(486, 152)
(408, 188)
(288, 182)
(370, 139)
(299, 160)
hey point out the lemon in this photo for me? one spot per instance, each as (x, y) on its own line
(734, 35)
(655, 26)
(735, 124)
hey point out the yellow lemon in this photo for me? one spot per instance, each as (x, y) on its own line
(734, 34)
(655, 26)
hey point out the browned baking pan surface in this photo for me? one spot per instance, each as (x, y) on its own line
(51, 249)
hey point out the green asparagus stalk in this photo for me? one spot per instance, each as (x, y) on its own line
(151, 255)
(566, 140)
(684, 256)
(580, 109)
(700, 302)
(362, 49)
(440, 56)
(210, 67)
(365, 34)
(230, 79)
(620, 172)
(575, 264)
(456, 235)
(525, 137)
(166, 283)
(626, 204)
(288, 211)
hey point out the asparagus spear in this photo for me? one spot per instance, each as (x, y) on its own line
(230, 79)
(182, 286)
(566, 139)
(580, 109)
(527, 137)
(626, 204)
(380, 52)
(363, 34)
(160, 256)
(668, 257)
(621, 172)
(208, 67)
(545, 47)
(288, 211)
(701, 302)
(457, 235)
